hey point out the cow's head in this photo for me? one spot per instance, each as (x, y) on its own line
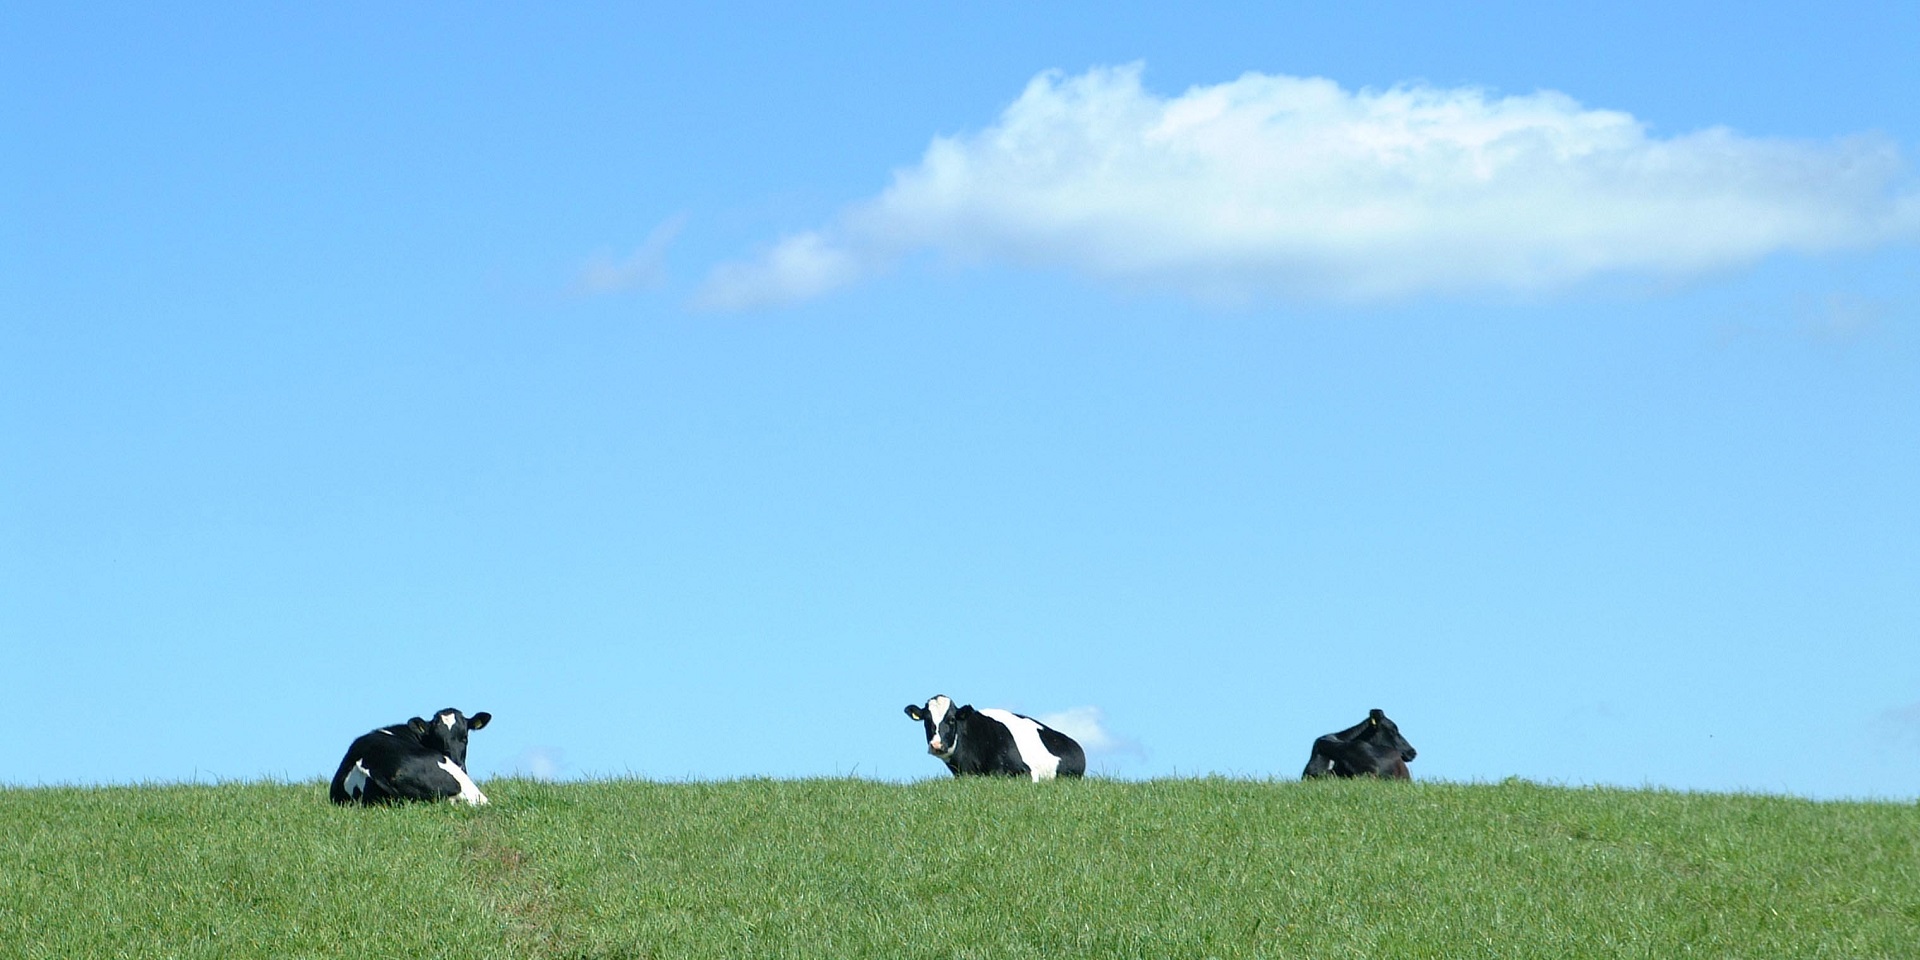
(447, 732)
(942, 720)
(1386, 733)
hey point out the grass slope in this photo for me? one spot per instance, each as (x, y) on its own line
(977, 869)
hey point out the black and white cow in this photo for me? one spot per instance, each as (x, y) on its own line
(416, 760)
(1371, 748)
(996, 742)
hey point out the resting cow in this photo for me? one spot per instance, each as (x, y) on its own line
(1371, 748)
(996, 742)
(416, 760)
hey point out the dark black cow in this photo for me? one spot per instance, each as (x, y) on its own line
(996, 742)
(1371, 748)
(416, 760)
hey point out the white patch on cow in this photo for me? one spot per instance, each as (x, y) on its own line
(385, 731)
(356, 782)
(1026, 739)
(469, 791)
(449, 718)
(937, 711)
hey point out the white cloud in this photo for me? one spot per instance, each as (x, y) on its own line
(539, 762)
(1277, 186)
(643, 269)
(1088, 727)
(799, 267)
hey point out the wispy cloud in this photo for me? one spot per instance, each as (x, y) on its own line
(1902, 725)
(1088, 727)
(1837, 319)
(643, 269)
(798, 268)
(539, 762)
(1841, 317)
(1288, 187)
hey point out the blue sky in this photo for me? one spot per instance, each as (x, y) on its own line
(692, 390)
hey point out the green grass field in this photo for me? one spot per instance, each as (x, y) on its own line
(978, 868)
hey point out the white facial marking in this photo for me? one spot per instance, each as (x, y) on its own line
(356, 782)
(1026, 739)
(937, 711)
(448, 719)
(469, 792)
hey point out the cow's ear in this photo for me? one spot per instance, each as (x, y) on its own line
(914, 711)
(417, 725)
(964, 712)
(478, 720)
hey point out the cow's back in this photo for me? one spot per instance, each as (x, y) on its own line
(1025, 746)
(987, 748)
(362, 774)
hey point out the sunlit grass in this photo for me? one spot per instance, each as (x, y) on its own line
(978, 868)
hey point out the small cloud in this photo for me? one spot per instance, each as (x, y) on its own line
(1271, 186)
(1088, 727)
(643, 269)
(1902, 725)
(1837, 319)
(800, 267)
(1843, 318)
(539, 762)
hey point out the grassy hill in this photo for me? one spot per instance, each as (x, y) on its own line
(977, 869)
